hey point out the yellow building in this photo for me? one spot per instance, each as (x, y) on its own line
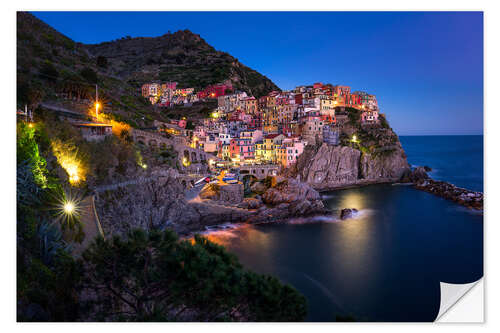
(327, 106)
(267, 151)
(285, 113)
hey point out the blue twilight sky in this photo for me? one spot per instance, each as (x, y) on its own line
(426, 68)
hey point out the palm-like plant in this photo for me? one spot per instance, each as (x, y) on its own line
(50, 242)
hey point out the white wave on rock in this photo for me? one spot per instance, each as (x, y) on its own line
(222, 230)
(361, 214)
(314, 219)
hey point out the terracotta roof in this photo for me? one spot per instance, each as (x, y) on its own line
(271, 136)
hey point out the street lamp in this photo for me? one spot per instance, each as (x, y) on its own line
(97, 106)
(69, 207)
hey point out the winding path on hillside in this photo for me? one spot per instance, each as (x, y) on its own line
(91, 225)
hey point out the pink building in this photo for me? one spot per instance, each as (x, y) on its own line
(242, 148)
(289, 151)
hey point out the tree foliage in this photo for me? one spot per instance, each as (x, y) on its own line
(102, 61)
(89, 75)
(155, 277)
(49, 72)
(46, 274)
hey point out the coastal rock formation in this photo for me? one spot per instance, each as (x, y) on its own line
(290, 198)
(290, 190)
(230, 193)
(251, 203)
(146, 205)
(415, 175)
(161, 203)
(347, 213)
(258, 187)
(449, 191)
(330, 167)
(390, 166)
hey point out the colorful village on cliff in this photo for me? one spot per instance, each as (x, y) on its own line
(272, 129)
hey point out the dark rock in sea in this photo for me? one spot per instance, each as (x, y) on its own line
(347, 213)
(427, 168)
(415, 175)
(449, 191)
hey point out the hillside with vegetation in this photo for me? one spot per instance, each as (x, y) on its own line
(144, 275)
(53, 68)
(63, 271)
(181, 56)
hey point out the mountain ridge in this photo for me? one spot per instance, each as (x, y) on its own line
(182, 56)
(51, 65)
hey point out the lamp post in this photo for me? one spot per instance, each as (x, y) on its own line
(96, 102)
(97, 105)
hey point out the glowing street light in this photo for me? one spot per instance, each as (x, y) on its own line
(69, 207)
(30, 125)
(74, 179)
(97, 106)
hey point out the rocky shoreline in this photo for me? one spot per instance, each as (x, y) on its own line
(464, 197)
(421, 181)
(287, 199)
(161, 203)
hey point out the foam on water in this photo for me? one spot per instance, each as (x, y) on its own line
(362, 213)
(330, 218)
(224, 230)
(314, 219)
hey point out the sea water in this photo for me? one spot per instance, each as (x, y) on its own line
(385, 263)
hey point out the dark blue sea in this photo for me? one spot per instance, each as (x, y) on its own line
(457, 159)
(386, 263)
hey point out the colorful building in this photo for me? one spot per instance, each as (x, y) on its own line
(214, 91)
(289, 151)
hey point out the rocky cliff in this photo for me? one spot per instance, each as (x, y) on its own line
(329, 167)
(161, 203)
(366, 154)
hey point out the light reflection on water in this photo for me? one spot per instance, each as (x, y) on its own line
(393, 252)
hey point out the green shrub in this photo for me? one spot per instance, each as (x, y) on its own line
(152, 276)
(89, 75)
(49, 72)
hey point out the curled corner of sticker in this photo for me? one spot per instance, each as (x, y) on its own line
(451, 294)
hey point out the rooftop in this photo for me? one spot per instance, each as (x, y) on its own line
(271, 136)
